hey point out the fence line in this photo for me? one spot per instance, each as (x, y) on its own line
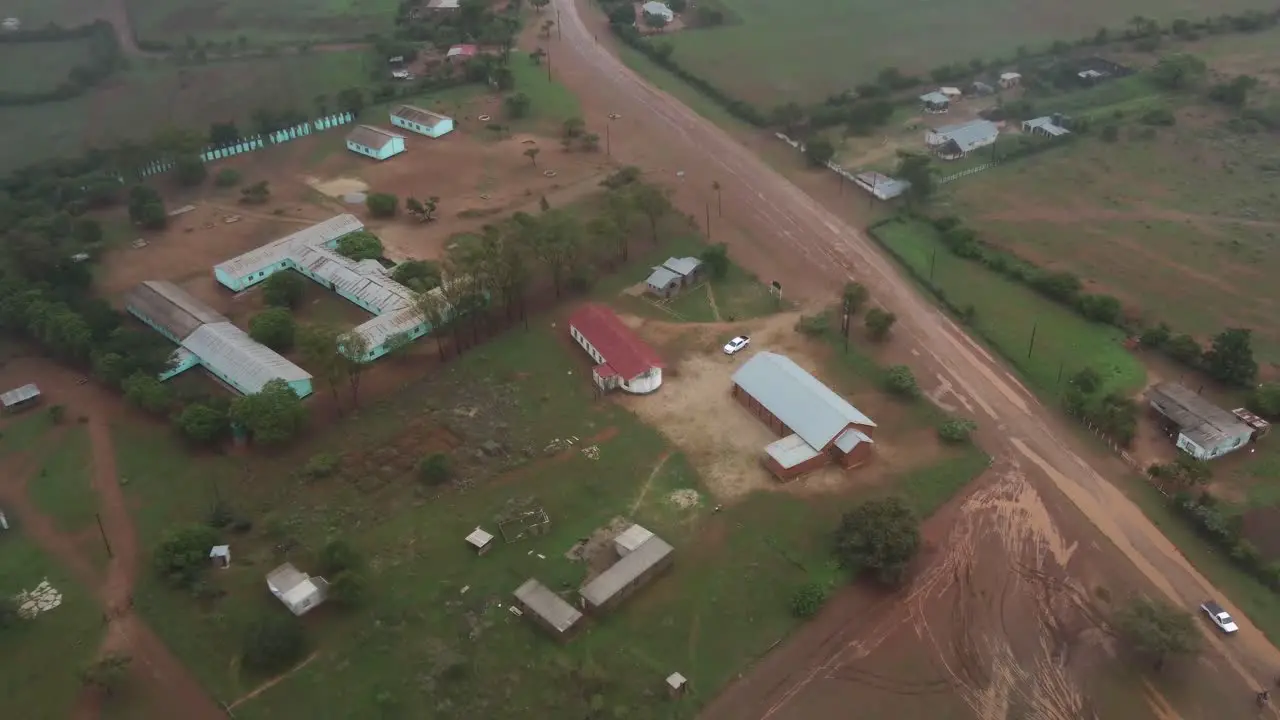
(830, 165)
(966, 173)
(257, 142)
(1120, 451)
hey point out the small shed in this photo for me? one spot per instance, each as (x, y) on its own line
(660, 9)
(480, 540)
(676, 684)
(980, 88)
(374, 142)
(221, 556)
(1260, 427)
(461, 52)
(547, 609)
(423, 122)
(952, 93)
(935, 102)
(630, 539)
(673, 276)
(299, 592)
(1010, 80)
(21, 398)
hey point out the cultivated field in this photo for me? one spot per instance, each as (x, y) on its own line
(39, 67)
(809, 49)
(282, 21)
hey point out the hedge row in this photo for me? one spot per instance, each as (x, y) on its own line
(1226, 531)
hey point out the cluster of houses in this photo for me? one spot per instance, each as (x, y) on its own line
(380, 143)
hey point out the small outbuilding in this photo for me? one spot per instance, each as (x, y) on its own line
(676, 684)
(639, 566)
(299, 592)
(673, 276)
(21, 398)
(480, 541)
(653, 7)
(1260, 427)
(1010, 80)
(881, 186)
(630, 539)
(625, 361)
(221, 556)
(1204, 431)
(548, 609)
(461, 52)
(423, 122)
(953, 142)
(375, 142)
(1048, 126)
(935, 102)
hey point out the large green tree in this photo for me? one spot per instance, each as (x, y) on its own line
(652, 202)
(1157, 630)
(273, 415)
(148, 393)
(319, 345)
(284, 289)
(202, 423)
(1230, 358)
(360, 245)
(879, 537)
(917, 169)
(274, 328)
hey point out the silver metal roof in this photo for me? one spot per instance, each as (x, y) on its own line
(540, 600)
(170, 307)
(228, 350)
(371, 137)
(661, 277)
(1046, 124)
(622, 573)
(851, 439)
(790, 451)
(683, 265)
(285, 578)
(632, 538)
(968, 135)
(419, 115)
(880, 185)
(276, 251)
(935, 98)
(19, 395)
(812, 410)
(1204, 423)
(356, 279)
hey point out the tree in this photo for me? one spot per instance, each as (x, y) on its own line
(436, 313)
(348, 588)
(382, 205)
(223, 133)
(1086, 381)
(880, 537)
(507, 267)
(574, 127)
(1230, 358)
(360, 245)
(1179, 71)
(146, 208)
(808, 599)
(420, 275)
(319, 345)
(517, 105)
(190, 170)
(590, 142)
(435, 469)
(1184, 349)
(273, 415)
(917, 169)
(652, 202)
(274, 328)
(9, 615)
(227, 177)
(107, 673)
(1266, 400)
(1156, 336)
(555, 239)
(788, 116)
(256, 194)
(956, 431)
(337, 556)
(353, 348)
(1234, 93)
(1157, 630)
(202, 423)
(283, 289)
(716, 260)
(183, 554)
(899, 381)
(879, 323)
(87, 231)
(273, 642)
(147, 392)
(532, 154)
(351, 100)
(853, 297)
(424, 211)
(819, 151)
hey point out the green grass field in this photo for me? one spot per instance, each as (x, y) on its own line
(39, 67)
(260, 23)
(808, 49)
(1007, 312)
(62, 489)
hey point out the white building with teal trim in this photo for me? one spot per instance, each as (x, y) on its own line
(423, 122)
(375, 142)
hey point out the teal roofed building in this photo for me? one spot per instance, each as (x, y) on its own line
(375, 142)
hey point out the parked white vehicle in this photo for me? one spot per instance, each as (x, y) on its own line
(736, 345)
(1220, 617)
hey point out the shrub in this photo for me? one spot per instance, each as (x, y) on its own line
(435, 469)
(184, 554)
(360, 246)
(8, 610)
(337, 556)
(283, 289)
(382, 205)
(274, 328)
(956, 431)
(273, 642)
(813, 325)
(808, 599)
(57, 413)
(320, 465)
(227, 177)
(879, 322)
(348, 588)
(901, 382)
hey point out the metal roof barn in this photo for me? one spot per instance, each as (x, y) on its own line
(622, 349)
(1204, 423)
(18, 396)
(966, 136)
(626, 571)
(812, 410)
(241, 361)
(418, 115)
(372, 137)
(170, 309)
(548, 606)
(275, 252)
(790, 451)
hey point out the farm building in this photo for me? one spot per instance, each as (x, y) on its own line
(374, 142)
(935, 102)
(673, 276)
(953, 142)
(1048, 126)
(444, 4)
(952, 93)
(299, 592)
(980, 88)
(19, 399)
(423, 122)
(365, 283)
(461, 52)
(630, 539)
(881, 186)
(1261, 428)
(624, 577)
(659, 9)
(206, 337)
(624, 359)
(547, 609)
(1204, 430)
(818, 426)
(1010, 80)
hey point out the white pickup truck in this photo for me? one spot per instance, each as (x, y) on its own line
(1220, 617)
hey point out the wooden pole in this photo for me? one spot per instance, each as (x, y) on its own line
(608, 146)
(708, 221)
(103, 531)
(1031, 345)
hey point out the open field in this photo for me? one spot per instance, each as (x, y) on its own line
(290, 20)
(39, 67)
(67, 13)
(61, 489)
(804, 51)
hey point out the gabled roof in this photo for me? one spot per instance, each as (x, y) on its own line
(682, 265)
(935, 98)
(543, 602)
(371, 137)
(170, 307)
(622, 573)
(968, 135)
(1200, 420)
(790, 451)
(812, 410)
(661, 276)
(418, 115)
(19, 395)
(228, 350)
(1046, 124)
(462, 50)
(276, 251)
(622, 349)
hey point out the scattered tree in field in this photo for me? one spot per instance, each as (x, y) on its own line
(590, 142)
(274, 328)
(1157, 630)
(283, 289)
(319, 345)
(337, 555)
(808, 599)
(517, 105)
(190, 170)
(899, 381)
(853, 297)
(1230, 358)
(956, 431)
(1235, 93)
(604, 232)
(382, 205)
(360, 245)
(652, 202)
(556, 241)
(1184, 349)
(1179, 71)
(147, 392)
(532, 154)
(716, 260)
(146, 208)
(879, 537)
(435, 469)
(917, 169)
(202, 423)
(227, 177)
(574, 128)
(107, 673)
(1266, 400)
(879, 323)
(423, 210)
(354, 351)
(256, 194)
(273, 415)
(819, 151)
(348, 588)
(183, 555)
(273, 642)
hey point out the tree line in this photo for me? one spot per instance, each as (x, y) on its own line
(104, 59)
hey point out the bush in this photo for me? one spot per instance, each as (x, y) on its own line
(338, 556)
(320, 465)
(813, 325)
(57, 413)
(956, 431)
(283, 289)
(435, 469)
(273, 642)
(227, 177)
(360, 245)
(348, 588)
(421, 275)
(8, 610)
(819, 151)
(274, 328)
(879, 322)
(901, 382)
(184, 554)
(808, 599)
(382, 205)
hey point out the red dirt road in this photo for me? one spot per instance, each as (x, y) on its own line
(781, 233)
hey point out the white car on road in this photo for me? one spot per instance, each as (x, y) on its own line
(736, 345)
(1220, 617)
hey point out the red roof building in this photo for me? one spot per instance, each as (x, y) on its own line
(624, 359)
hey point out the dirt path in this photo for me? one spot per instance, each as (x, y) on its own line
(273, 681)
(711, 300)
(782, 233)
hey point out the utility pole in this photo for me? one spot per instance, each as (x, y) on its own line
(608, 146)
(708, 221)
(1031, 345)
(103, 531)
(933, 259)
(559, 35)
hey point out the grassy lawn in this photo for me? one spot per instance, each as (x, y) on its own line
(1007, 312)
(260, 23)
(550, 102)
(39, 67)
(62, 489)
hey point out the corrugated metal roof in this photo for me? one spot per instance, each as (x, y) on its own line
(851, 439)
(19, 395)
(622, 349)
(418, 115)
(970, 135)
(622, 573)
(540, 600)
(285, 578)
(661, 277)
(355, 279)
(1046, 124)
(682, 266)
(371, 137)
(935, 98)
(632, 538)
(276, 251)
(226, 349)
(790, 451)
(170, 307)
(1204, 423)
(798, 399)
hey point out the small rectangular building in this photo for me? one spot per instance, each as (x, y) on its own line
(461, 52)
(19, 399)
(935, 103)
(423, 122)
(625, 361)
(480, 541)
(1048, 126)
(953, 142)
(375, 142)
(548, 609)
(1204, 430)
(299, 592)
(1010, 80)
(630, 539)
(650, 559)
(673, 276)
(882, 187)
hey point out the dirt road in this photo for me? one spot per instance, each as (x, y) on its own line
(780, 232)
